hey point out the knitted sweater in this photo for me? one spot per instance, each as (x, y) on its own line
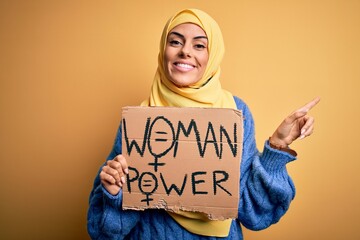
(266, 191)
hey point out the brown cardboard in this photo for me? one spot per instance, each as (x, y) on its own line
(169, 151)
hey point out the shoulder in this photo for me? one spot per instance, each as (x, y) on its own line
(242, 106)
(248, 120)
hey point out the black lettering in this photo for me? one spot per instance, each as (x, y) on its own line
(218, 181)
(148, 186)
(130, 180)
(159, 155)
(173, 186)
(232, 145)
(148, 183)
(133, 142)
(212, 140)
(194, 182)
(186, 132)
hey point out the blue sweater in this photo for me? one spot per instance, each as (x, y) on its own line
(266, 191)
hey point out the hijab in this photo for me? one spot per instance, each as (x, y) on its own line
(207, 92)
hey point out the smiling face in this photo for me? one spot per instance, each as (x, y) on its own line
(186, 54)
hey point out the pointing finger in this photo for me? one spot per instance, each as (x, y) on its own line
(302, 111)
(309, 105)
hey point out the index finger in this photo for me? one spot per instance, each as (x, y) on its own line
(309, 105)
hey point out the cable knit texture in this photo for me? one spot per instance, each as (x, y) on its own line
(266, 191)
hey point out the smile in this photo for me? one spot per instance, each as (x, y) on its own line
(184, 66)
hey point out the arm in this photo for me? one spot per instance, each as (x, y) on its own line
(266, 189)
(106, 219)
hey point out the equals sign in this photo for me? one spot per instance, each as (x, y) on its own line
(160, 139)
(147, 185)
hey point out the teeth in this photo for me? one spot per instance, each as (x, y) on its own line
(183, 65)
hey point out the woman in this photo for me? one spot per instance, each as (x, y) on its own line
(191, 50)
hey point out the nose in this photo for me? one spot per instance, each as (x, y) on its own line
(185, 50)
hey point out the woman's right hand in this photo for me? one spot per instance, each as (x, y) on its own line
(112, 175)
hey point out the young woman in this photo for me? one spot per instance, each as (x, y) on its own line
(188, 74)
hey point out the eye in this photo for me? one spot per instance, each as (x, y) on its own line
(200, 46)
(175, 43)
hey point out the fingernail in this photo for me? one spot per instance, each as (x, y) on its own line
(301, 137)
(302, 131)
(126, 171)
(123, 180)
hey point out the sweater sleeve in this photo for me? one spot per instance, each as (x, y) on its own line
(266, 189)
(106, 219)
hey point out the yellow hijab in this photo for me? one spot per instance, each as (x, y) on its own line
(207, 92)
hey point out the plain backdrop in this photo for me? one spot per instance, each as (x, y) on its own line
(68, 67)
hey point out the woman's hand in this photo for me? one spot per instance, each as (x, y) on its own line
(112, 175)
(296, 125)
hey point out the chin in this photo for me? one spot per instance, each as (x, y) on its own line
(183, 83)
(179, 85)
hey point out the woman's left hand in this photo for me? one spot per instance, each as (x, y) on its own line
(297, 125)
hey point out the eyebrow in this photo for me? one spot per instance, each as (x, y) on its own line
(183, 37)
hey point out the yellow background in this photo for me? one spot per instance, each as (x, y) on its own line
(67, 68)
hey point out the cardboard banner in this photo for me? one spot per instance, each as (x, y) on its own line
(183, 159)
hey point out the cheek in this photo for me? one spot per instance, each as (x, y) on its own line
(204, 60)
(167, 59)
